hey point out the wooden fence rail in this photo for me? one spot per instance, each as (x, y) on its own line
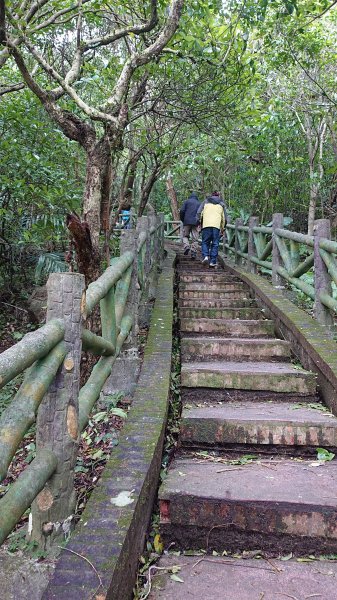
(287, 256)
(50, 391)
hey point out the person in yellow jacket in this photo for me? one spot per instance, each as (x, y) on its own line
(213, 217)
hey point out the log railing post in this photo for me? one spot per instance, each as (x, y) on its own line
(226, 253)
(160, 233)
(128, 242)
(253, 222)
(144, 225)
(125, 371)
(238, 258)
(323, 314)
(276, 257)
(57, 420)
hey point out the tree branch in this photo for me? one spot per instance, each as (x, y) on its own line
(146, 56)
(2, 22)
(117, 35)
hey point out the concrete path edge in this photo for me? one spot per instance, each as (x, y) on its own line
(101, 558)
(309, 340)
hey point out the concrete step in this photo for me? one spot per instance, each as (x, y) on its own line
(227, 578)
(268, 376)
(214, 286)
(216, 303)
(245, 349)
(220, 313)
(256, 328)
(257, 423)
(216, 294)
(271, 505)
(187, 277)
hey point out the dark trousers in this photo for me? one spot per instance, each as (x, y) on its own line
(210, 238)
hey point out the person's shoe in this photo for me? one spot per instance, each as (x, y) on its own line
(213, 265)
(205, 260)
(186, 251)
(193, 255)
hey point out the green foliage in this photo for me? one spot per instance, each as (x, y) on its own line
(49, 262)
(324, 455)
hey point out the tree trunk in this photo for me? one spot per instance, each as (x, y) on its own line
(126, 190)
(96, 203)
(147, 188)
(173, 198)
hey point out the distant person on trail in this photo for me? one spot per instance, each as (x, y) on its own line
(213, 217)
(188, 216)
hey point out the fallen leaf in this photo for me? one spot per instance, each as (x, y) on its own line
(176, 578)
(123, 499)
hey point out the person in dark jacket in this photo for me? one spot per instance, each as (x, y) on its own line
(213, 217)
(188, 216)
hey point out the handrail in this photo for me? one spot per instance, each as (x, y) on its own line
(308, 240)
(99, 288)
(292, 255)
(34, 345)
(55, 349)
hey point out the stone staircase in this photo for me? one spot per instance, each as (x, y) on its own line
(246, 475)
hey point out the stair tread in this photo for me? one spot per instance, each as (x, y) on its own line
(247, 412)
(242, 340)
(228, 578)
(285, 482)
(247, 367)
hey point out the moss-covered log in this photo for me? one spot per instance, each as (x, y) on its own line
(22, 493)
(96, 344)
(33, 346)
(121, 294)
(90, 392)
(20, 414)
(99, 288)
(108, 315)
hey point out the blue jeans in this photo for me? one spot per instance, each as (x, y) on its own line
(210, 238)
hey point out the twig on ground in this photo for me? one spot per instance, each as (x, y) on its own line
(231, 563)
(273, 565)
(90, 563)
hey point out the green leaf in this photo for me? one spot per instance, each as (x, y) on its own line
(324, 455)
(118, 412)
(177, 578)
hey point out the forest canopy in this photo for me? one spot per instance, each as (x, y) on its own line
(102, 104)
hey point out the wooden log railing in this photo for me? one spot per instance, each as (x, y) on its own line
(50, 394)
(287, 256)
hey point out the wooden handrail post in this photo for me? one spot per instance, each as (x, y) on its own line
(126, 368)
(276, 257)
(160, 235)
(322, 229)
(253, 222)
(57, 420)
(225, 239)
(238, 259)
(144, 225)
(128, 242)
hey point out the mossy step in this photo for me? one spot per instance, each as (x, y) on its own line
(242, 349)
(226, 286)
(280, 505)
(268, 376)
(216, 294)
(220, 313)
(256, 328)
(216, 303)
(188, 277)
(257, 423)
